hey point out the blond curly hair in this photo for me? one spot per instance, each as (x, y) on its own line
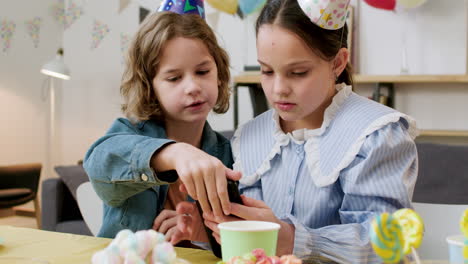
(144, 55)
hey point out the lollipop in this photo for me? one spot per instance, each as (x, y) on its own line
(387, 238)
(464, 223)
(412, 226)
(464, 229)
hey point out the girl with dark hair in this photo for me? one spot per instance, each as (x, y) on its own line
(324, 161)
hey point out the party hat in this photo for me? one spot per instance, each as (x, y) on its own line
(327, 14)
(184, 7)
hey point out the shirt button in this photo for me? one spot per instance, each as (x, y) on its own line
(144, 177)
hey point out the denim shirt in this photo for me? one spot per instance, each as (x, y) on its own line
(118, 165)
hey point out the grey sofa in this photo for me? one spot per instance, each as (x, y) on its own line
(60, 210)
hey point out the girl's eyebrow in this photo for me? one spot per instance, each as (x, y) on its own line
(289, 64)
(203, 63)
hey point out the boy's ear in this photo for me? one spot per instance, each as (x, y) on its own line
(341, 60)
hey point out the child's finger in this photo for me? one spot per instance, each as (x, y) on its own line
(184, 224)
(221, 191)
(233, 175)
(212, 225)
(187, 178)
(182, 188)
(165, 214)
(186, 208)
(167, 225)
(217, 237)
(211, 178)
(253, 202)
(201, 193)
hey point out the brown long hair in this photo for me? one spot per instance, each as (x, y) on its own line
(144, 55)
(325, 43)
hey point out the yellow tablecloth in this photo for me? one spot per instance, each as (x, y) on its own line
(57, 248)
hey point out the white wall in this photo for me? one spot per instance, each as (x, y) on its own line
(23, 111)
(90, 101)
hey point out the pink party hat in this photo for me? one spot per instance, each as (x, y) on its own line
(327, 14)
(183, 7)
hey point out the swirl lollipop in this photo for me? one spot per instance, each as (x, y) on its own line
(464, 229)
(387, 238)
(464, 223)
(412, 226)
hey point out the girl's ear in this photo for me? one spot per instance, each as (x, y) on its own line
(341, 60)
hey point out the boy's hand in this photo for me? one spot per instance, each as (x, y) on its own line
(203, 176)
(183, 224)
(166, 223)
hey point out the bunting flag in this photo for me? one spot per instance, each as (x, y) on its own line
(124, 43)
(33, 27)
(58, 12)
(100, 30)
(7, 29)
(66, 16)
(123, 4)
(72, 14)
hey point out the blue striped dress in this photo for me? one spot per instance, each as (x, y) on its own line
(331, 181)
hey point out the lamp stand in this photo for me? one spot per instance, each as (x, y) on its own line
(51, 148)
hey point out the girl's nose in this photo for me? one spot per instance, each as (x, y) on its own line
(280, 86)
(192, 85)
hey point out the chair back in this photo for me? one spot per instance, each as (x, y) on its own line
(91, 207)
(19, 183)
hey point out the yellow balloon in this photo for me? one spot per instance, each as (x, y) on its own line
(228, 6)
(411, 3)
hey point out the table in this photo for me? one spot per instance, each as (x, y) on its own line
(58, 248)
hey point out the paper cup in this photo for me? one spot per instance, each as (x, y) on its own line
(455, 244)
(241, 237)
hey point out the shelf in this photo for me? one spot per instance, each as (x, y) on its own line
(443, 133)
(410, 78)
(254, 77)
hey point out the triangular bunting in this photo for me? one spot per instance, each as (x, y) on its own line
(100, 30)
(33, 28)
(7, 30)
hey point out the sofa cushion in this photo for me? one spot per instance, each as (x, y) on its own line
(73, 176)
(443, 174)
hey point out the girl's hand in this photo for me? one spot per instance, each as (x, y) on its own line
(259, 211)
(203, 176)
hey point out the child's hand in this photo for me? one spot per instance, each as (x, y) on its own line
(183, 224)
(203, 176)
(259, 211)
(166, 223)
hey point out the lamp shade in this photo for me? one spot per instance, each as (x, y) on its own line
(56, 67)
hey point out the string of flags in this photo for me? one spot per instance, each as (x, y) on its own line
(67, 12)
(7, 29)
(100, 30)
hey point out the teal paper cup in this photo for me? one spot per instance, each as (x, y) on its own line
(241, 237)
(455, 244)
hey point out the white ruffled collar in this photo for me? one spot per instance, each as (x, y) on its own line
(299, 136)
